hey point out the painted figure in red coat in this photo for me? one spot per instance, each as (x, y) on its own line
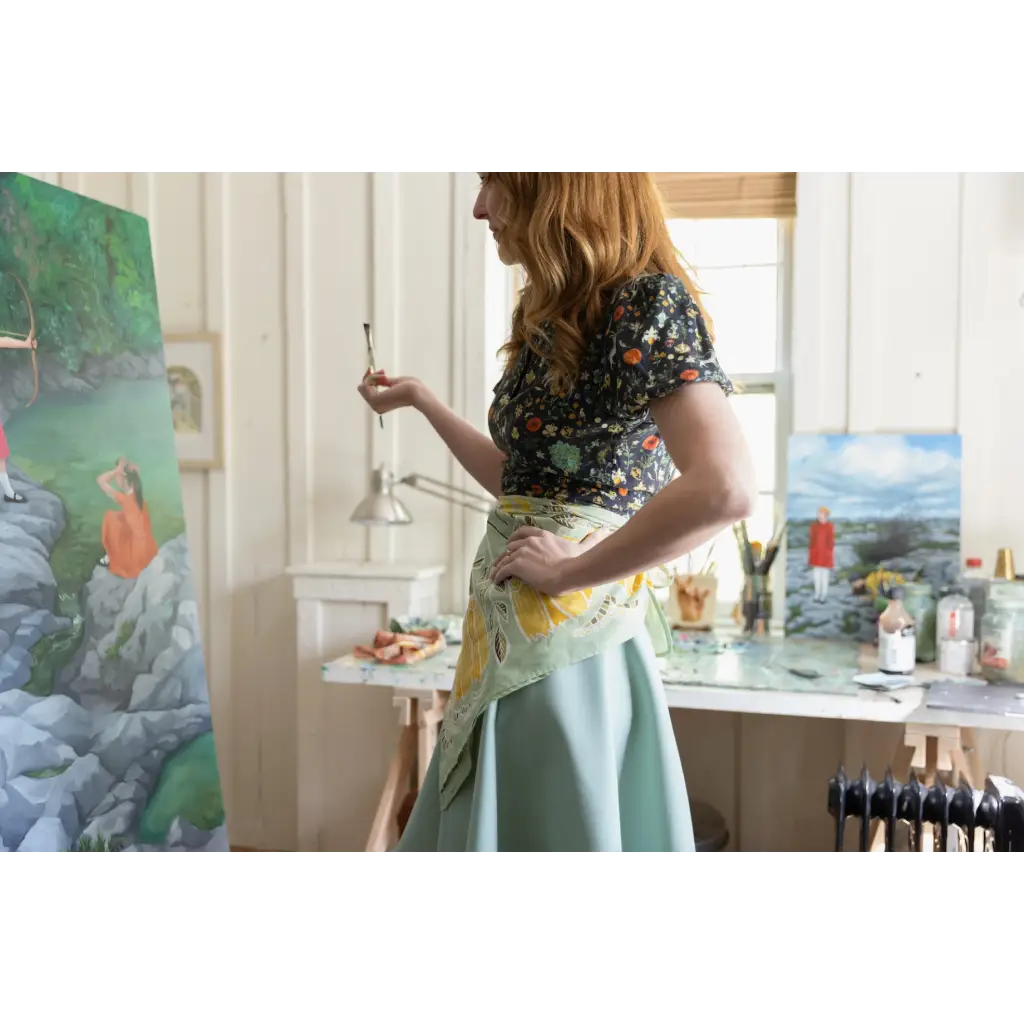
(821, 554)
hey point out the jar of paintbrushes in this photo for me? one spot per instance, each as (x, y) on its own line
(693, 596)
(756, 599)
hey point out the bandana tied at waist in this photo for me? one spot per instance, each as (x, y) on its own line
(513, 635)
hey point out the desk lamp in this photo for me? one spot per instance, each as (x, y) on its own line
(381, 508)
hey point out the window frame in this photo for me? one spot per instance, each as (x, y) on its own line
(779, 383)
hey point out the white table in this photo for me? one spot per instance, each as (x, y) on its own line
(905, 706)
(933, 740)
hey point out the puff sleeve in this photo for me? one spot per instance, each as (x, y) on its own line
(659, 343)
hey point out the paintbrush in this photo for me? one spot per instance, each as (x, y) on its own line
(773, 549)
(708, 564)
(748, 551)
(746, 555)
(372, 358)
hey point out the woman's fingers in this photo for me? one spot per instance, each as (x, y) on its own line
(505, 569)
(371, 381)
(498, 563)
(515, 543)
(526, 531)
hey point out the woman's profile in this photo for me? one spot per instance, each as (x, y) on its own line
(612, 450)
(127, 535)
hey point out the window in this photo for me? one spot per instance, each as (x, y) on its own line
(741, 267)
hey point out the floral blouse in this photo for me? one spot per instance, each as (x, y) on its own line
(598, 444)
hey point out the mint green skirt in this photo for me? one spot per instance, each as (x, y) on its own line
(584, 759)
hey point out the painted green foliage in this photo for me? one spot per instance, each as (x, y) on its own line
(93, 292)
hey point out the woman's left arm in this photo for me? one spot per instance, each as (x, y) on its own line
(715, 488)
(659, 354)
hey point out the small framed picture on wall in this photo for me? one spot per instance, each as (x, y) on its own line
(195, 382)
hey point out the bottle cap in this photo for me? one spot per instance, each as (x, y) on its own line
(973, 563)
(897, 593)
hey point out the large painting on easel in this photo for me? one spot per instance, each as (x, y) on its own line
(106, 742)
(865, 513)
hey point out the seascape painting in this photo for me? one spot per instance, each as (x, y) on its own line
(866, 513)
(106, 741)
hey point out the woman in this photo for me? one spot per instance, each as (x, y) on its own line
(10, 494)
(127, 535)
(557, 734)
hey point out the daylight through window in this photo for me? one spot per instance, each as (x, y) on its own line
(740, 265)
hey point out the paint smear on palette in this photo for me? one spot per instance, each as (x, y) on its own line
(705, 643)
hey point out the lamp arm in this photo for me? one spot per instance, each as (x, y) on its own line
(445, 491)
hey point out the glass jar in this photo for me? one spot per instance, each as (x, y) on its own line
(1002, 634)
(919, 600)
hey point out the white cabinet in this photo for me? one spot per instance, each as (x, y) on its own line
(347, 734)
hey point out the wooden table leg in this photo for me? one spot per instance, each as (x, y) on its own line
(397, 783)
(430, 716)
(420, 719)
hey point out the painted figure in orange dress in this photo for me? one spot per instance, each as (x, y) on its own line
(127, 535)
(821, 553)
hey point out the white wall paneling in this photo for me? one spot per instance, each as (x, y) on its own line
(906, 316)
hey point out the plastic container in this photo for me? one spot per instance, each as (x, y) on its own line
(919, 601)
(955, 615)
(897, 646)
(1002, 634)
(956, 657)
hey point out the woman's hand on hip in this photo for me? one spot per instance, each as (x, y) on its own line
(540, 558)
(385, 394)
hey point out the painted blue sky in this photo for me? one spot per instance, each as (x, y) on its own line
(871, 476)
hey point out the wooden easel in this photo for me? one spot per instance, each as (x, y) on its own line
(419, 715)
(929, 750)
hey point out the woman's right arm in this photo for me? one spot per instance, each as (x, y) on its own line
(478, 455)
(104, 481)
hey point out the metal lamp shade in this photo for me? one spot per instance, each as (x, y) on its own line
(380, 507)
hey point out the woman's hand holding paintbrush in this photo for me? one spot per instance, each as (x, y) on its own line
(385, 394)
(475, 451)
(399, 393)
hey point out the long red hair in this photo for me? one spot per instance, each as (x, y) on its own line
(578, 237)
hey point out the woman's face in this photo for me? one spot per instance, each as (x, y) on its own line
(488, 207)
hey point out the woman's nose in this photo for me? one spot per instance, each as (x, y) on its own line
(480, 207)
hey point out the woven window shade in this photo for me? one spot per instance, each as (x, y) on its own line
(722, 194)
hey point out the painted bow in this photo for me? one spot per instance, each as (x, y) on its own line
(31, 337)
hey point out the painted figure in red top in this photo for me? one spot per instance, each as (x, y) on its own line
(821, 554)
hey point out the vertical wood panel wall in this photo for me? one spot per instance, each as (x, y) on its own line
(906, 316)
